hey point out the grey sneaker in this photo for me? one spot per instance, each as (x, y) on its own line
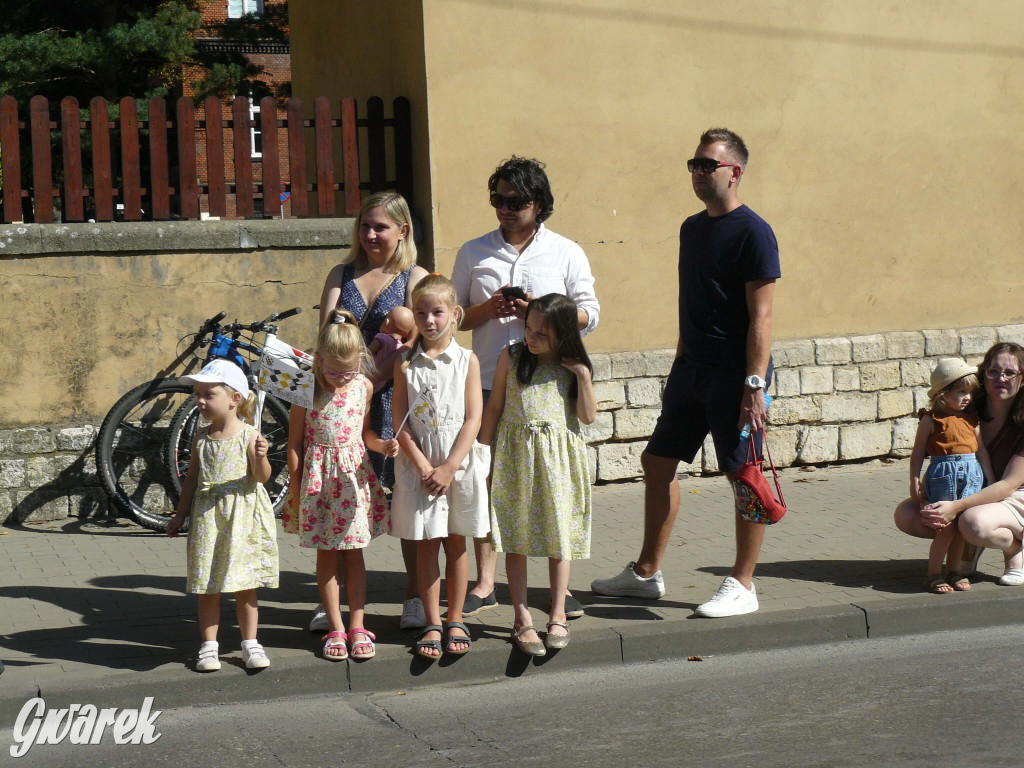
(731, 599)
(413, 615)
(630, 584)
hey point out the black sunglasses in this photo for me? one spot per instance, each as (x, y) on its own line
(516, 203)
(707, 165)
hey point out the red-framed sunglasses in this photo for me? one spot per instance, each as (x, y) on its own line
(708, 165)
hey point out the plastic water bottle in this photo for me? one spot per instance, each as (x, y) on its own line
(745, 432)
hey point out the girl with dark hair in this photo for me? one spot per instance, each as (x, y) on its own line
(540, 484)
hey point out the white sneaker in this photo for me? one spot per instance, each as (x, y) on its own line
(255, 657)
(731, 599)
(1012, 577)
(208, 660)
(630, 584)
(413, 615)
(319, 622)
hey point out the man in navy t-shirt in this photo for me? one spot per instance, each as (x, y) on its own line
(728, 264)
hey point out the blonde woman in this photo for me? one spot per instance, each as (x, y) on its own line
(376, 276)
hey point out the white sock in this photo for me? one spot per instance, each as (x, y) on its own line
(250, 643)
(209, 645)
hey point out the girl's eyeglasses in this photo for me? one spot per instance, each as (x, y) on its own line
(343, 376)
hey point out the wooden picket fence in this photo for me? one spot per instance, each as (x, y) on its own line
(170, 184)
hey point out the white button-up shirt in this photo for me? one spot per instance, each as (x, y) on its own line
(549, 264)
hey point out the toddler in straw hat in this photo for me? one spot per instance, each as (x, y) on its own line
(948, 432)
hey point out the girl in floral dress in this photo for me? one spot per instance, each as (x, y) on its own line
(540, 488)
(340, 505)
(232, 539)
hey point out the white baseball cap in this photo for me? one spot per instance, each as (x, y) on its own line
(221, 371)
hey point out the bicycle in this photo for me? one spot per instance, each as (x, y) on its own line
(145, 441)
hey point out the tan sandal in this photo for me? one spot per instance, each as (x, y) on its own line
(958, 581)
(937, 585)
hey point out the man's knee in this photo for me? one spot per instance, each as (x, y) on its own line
(658, 469)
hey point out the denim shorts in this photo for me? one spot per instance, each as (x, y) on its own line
(953, 477)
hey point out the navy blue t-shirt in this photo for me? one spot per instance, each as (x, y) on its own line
(717, 257)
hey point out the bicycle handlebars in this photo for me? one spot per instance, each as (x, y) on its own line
(213, 324)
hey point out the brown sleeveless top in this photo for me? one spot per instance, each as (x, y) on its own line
(952, 434)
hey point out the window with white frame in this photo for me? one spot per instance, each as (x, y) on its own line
(255, 130)
(238, 8)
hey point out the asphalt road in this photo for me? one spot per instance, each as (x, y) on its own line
(942, 699)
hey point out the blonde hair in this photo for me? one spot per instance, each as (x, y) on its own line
(247, 408)
(938, 405)
(442, 288)
(396, 209)
(339, 339)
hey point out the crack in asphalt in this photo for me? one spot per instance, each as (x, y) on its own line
(379, 713)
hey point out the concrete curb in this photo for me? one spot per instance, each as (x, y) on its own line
(494, 658)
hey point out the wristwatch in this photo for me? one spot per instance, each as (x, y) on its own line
(754, 382)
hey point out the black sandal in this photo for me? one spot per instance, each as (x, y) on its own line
(450, 638)
(422, 645)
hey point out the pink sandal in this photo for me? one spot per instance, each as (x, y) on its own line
(365, 655)
(329, 645)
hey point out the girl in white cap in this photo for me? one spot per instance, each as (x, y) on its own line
(232, 540)
(949, 433)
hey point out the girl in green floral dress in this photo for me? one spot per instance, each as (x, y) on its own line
(540, 487)
(232, 538)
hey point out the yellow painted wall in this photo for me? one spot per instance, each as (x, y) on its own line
(362, 49)
(97, 326)
(885, 144)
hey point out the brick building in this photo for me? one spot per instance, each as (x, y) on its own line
(274, 58)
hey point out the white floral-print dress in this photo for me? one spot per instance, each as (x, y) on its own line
(540, 485)
(341, 502)
(232, 537)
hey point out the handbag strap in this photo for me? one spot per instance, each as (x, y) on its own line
(775, 475)
(765, 450)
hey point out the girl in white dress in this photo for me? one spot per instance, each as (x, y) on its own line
(441, 473)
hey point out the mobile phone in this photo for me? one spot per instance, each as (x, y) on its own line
(513, 292)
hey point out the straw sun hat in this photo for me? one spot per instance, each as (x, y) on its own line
(947, 371)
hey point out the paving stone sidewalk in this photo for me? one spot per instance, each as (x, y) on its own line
(100, 603)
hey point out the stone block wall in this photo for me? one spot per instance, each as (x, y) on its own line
(49, 473)
(841, 398)
(835, 399)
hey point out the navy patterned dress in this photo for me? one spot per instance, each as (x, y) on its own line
(380, 408)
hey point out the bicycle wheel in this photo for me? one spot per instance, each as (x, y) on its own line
(178, 450)
(130, 448)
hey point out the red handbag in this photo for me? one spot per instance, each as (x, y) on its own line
(754, 499)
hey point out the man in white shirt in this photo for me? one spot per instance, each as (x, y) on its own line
(496, 276)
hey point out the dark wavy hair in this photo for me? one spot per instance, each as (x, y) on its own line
(981, 396)
(530, 181)
(562, 321)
